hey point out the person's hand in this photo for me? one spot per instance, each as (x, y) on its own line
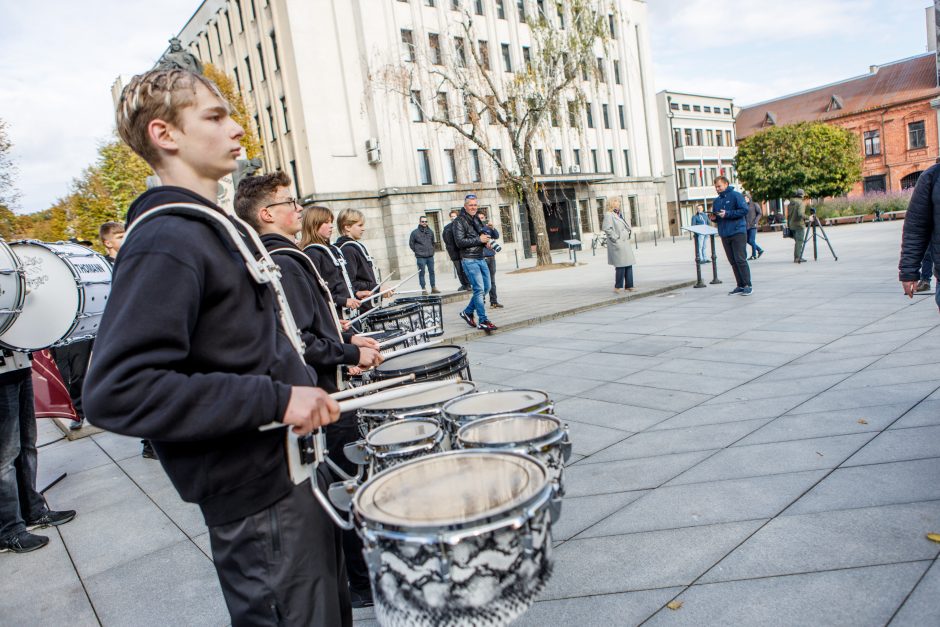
(388, 293)
(364, 341)
(369, 357)
(909, 288)
(484, 238)
(352, 303)
(363, 294)
(721, 213)
(354, 371)
(345, 324)
(309, 409)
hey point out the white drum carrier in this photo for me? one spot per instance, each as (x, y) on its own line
(67, 288)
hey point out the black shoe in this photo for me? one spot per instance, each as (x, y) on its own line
(736, 290)
(463, 288)
(496, 306)
(760, 253)
(147, 451)
(51, 519)
(361, 597)
(707, 261)
(23, 542)
(922, 286)
(75, 425)
(468, 318)
(752, 258)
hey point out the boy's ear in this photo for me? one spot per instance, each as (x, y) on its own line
(161, 134)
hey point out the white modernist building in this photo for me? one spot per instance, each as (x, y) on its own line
(698, 144)
(315, 73)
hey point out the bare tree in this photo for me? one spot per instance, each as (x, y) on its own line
(8, 192)
(509, 106)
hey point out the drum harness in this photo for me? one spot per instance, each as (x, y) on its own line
(340, 262)
(304, 453)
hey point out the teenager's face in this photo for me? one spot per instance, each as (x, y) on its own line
(113, 242)
(326, 230)
(356, 230)
(282, 212)
(207, 137)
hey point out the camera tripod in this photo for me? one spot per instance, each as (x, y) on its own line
(813, 225)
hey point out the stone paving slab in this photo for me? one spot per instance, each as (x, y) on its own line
(628, 475)
(899, 445)
(885, 394)
(579, 513)
(824, 424)
(925, 414)
(732, 412)
(613, 415)
(671, 400)
(629, 608)
(922, 607)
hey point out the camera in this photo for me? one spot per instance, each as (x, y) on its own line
(494, 246)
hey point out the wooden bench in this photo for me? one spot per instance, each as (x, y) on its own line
(843, 220)
(893, 215)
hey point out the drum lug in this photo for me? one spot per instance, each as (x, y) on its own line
(528, 546)
(554, 507)
(445, 561)
(356, 453)
(566, 446)
(341, 494)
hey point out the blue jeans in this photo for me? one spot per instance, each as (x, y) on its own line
(701, 241)
(425, 262)
(19, 500)
(479, 276)
(752, 242)
(623, 274)
(926, 267)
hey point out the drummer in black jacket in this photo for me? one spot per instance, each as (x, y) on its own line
(190, 355)
(316, 231)
(360, 265)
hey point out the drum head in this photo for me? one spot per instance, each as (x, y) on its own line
(402, 432)
(52, 300)
(499, 402)
(450, 489)
(423, 360)
(509, 429)
(437, 396)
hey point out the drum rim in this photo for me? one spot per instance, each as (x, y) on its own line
(402, 447)
(548, 403)
(17, 307)
(456, 357)
(367, 411)
(514, 515)
(431, 299)
(559, 434)
(383, 313)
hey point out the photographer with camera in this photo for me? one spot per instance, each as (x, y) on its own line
(489, 256)
(796, 222)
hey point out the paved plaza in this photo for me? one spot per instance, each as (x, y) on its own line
(762, 460)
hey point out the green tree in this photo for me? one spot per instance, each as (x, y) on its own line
(511, 110)
(240, 111)
(9, 224)
(821, 159)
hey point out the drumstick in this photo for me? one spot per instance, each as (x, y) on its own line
(409, 349)
(397, 293)
(406, 336)
(391, 274)
(363, 315)
(391, 289)
(371, 387)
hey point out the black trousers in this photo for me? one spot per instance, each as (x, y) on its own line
(283, 565)
(491, 264)
(736, 251)
(461, 275)
(339, 434)
(72, 362)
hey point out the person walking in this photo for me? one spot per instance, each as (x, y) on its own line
(489, 256)
(752, 218)
(796, 222)
(421, 243)
(454, 253)
(700, 219)
(729, 211)
(921, 233)
(926, 271)
(619, 252)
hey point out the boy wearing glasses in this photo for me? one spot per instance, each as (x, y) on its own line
(421, 243)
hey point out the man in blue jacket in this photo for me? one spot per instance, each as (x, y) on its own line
(921, 231)
(729, 211)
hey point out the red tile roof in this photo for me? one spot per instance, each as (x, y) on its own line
(893, 83)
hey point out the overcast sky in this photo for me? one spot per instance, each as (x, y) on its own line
(58, 59)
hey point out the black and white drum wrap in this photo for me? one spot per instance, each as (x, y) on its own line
(424, 404)
(432, 311)
(12, 287)
(396, 442)
(458, 538)
(406, 317)
(67, 290)
(541, 436)
(466, 409)
(434, 363)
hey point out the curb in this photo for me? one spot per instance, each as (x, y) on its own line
(472, 335)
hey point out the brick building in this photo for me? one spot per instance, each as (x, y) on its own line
(889, 109)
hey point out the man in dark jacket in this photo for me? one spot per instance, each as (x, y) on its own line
(421, 243)
(489, 256)
(454, 253)
(471, 240)
(752, 218)
(921, 231)
(190, 356)
(729, 211)
(796, 222)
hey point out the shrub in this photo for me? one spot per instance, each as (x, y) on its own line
(864, 205)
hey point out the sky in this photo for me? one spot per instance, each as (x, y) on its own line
(59, 58)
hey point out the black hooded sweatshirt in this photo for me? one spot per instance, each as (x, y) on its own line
(331, 273)
(190, 356)
(325, 345)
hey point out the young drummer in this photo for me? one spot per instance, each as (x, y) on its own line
(190, 355)
(361, 269)
(315, 234)
(111, 235)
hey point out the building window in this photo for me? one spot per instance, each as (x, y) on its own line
(501, 9)
(697, 108)
(450, 166)
(228, 27)
(429, 3)
(583, 216)
(601, 75)
(261, 63)
(442, 109)
(699, 141)
(478, 7)
(284, 112)
(498, 156)
(238, 83)
(577, 157)
(505, 224)
(726, 111)
(916, 137)
(872, 143)
(293, 174)
(251, 82)
(590, 115)
(682, 181)
(553, 115)
(610, 161)
(493, 110)
(674, 106)
(606, 113)
(558, 163)
(707, 109)
(688, 137)
(271, 124)
(594, 160)
(470, 114)
(601, 206)
(474, 165)
(417, 112)
(455, 5)
(507, 58)
(560, 11)
(874, 184)
(719, 136)
(407, 45)
(626, 162)
(483, 49)
(612, 25)
(540, 161)
(617, 71)
(434, 43)
(686, 107)
(258, 127)
(424, 166)
(251, 4)
(460, 49)
(728, 138)
(527, 56)
(677, 138)
(910, 180)
(277, 60)
(520, 9)
(710, 137)
(241, 21)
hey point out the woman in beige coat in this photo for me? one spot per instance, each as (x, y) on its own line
(619, 252)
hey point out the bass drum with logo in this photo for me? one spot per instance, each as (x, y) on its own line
(67, 289)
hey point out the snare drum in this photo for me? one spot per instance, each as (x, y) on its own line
(434, 363)
(406, 317)
(431, 311)
(466, 409)
(395, 443)
(12, 287)
(458, 538)
(543, 437)
(425, 404)
(68, 289)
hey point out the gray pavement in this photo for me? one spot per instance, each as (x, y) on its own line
(764, 460)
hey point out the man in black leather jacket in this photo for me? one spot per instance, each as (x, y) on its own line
(454, 253)
(921, 231)
(471, 240)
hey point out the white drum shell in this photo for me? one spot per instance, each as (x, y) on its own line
(12, 287)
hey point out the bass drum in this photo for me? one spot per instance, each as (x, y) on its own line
(12, 287)
(68, 287)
